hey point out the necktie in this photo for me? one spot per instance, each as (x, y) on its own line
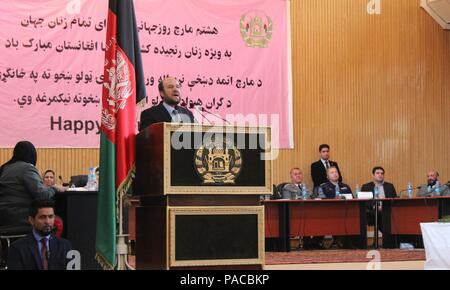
(44, 255)
(176, 116)
(328, 164)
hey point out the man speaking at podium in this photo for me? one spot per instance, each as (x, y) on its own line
(168, 110)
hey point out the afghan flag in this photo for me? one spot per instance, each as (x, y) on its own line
(123, 88)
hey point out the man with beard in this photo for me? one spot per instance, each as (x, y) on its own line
(168, 110)
(433, 187)
(40, 249)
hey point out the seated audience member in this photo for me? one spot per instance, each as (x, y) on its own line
(49, 178)
(294, 190)
(329, 188)
(20, 184)
(40, 249)
(385, 190)
(433, 186)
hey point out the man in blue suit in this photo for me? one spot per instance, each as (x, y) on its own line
(40, 249)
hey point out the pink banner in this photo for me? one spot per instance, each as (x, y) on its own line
(231, 56)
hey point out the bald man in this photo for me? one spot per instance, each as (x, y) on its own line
(294, 190)
(433, 187)
(168, 110)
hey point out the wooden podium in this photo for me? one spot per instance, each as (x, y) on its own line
(199, 189)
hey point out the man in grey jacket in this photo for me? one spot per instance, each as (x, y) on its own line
(433, 186)
(294, 190)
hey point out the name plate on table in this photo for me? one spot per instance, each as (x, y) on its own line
(347, 196)
(365, 195)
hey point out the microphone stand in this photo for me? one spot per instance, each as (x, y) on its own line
(200, 112)
(376, 222)
(62, 181)
(215, 115)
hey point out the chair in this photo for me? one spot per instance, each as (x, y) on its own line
(278, 194)
(8, 238)
(78, 180)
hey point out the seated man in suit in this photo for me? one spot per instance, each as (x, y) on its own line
(385, 190)
(294, 190)
(168, 110)
(40, 249)
(329, 189)
(319, 168)
(433, 186)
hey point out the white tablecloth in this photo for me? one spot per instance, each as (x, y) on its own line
(436, 239)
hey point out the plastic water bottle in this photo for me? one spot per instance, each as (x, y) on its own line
(410, 190)
(376, 192)
(357, 190)
(320, 192)
(92, 183)
(437, 189)
(305, 193)
(338, 192)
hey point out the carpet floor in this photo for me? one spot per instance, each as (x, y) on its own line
(343, 256)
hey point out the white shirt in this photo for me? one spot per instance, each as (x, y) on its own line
(380, 187)
(172, 112)
(324, 162)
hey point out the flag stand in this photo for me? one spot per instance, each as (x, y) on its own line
(122, 247)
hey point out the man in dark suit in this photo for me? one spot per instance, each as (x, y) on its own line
(168, 110)
(328, 189)
(40, 249)
(384, 189)
(319, 168)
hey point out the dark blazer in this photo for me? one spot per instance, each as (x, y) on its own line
(389, 189)
(158, 114)
(329, 189)
(319, 172)
(24, 254)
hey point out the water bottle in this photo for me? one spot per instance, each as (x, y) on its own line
(304, 192)
(92, 183)
(376, 192)
(357, 190)
(410, 190)
(320, 192)
(338, 192)
(437, 189)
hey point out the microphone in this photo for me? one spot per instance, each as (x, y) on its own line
(62, 181)
(405, 190)
(197, 108)
(215, 115)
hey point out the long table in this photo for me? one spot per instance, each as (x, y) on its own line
(290, 218)
(401, 219)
